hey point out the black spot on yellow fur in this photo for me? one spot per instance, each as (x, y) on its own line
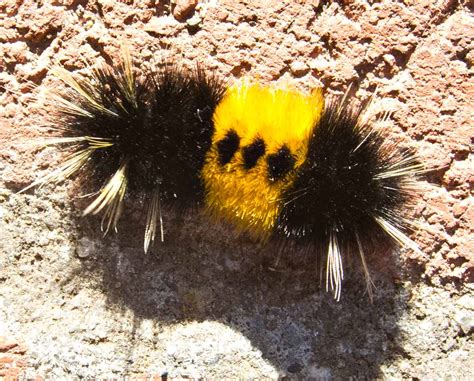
(227, 147)
(280, 163)
(253, 152)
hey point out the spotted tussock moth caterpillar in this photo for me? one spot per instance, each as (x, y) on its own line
(277, 163)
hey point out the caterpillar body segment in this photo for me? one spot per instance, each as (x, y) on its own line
(260, 138)
(277, 163)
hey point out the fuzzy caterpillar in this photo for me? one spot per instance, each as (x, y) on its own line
(276, 163)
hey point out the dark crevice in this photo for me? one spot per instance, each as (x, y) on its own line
(100, 10)
(163, 7)
(99, 48)
(39, 45)
(241, 69)
(462, 56)
(402, 58)
(328, 44)
(76, 3)
(365, 67)
(461, 155)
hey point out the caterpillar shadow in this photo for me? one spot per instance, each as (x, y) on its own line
(204, 273)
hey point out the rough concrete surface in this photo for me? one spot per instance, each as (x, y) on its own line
(206, 303)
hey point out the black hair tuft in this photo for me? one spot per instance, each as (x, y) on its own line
(353, 189)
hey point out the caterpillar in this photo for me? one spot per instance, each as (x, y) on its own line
(306, 170)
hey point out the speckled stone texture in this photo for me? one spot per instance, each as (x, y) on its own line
(206, 303)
